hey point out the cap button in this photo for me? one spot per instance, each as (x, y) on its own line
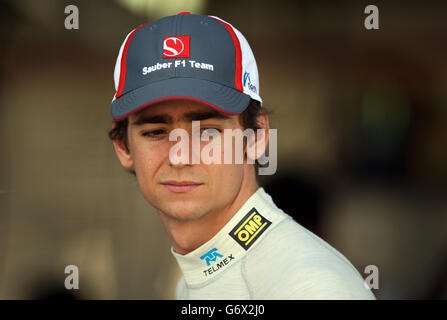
(184, 12)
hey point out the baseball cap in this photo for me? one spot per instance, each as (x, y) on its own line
(185, 56)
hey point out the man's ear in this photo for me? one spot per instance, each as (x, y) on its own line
(256, 147)
(122, 153)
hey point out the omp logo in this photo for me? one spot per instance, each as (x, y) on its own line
(211, 255)
(247, 82)
(176, 47)
(249, 229)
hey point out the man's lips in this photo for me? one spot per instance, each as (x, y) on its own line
(180, 186)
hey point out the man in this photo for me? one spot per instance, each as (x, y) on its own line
(227, 235)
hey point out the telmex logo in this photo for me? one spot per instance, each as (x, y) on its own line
(211, 255)
(176, 47)
(249, 229)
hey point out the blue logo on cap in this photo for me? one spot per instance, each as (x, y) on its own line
(246, 77)
(211, 255)
(247, 81)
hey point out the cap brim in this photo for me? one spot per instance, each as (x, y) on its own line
(219, 97)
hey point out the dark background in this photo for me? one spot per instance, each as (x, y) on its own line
(361, 118)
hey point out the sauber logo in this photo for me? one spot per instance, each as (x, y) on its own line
(249, 229)
(176, 47)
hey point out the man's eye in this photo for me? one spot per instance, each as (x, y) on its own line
(211, 131)
(153, 133)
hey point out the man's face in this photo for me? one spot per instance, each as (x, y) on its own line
(181, 191)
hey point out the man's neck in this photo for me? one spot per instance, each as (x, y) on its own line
(186, 236)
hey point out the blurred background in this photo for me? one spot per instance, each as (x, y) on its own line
(362, 159)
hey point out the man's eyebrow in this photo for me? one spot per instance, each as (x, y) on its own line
(197, 116)
(159, 118)
(190, 116)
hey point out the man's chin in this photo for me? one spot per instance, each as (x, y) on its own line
(183, 210)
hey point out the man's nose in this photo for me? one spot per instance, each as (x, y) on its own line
(184, 147)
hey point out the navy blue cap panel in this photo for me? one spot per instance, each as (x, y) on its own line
(211, 45)
(223, 98)
(211, 52)
(145, 50)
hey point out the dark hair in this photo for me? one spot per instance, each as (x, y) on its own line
(248, 120)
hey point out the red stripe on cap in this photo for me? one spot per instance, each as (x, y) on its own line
(123, 62)
(237, 46)
(174, 98)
